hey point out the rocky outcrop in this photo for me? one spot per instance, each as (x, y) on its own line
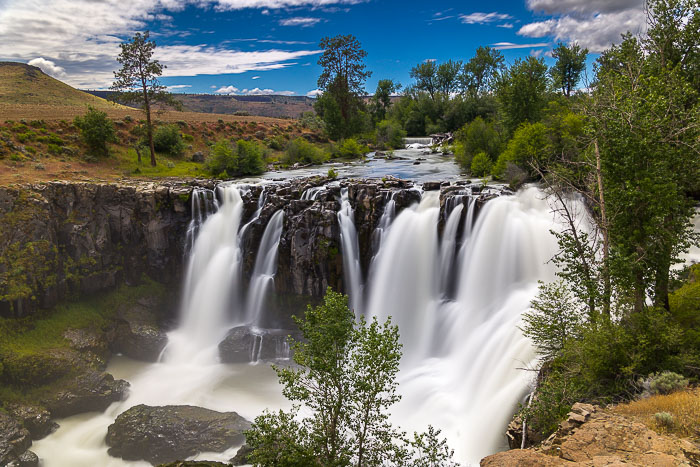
(15, 440)
(169, 433)
(138, 331)
(243, 344)
(92, 391)
(594, 437)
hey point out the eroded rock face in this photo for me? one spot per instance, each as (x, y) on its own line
(92, 391)
(14, 440)
(593, 437)
(169, 433)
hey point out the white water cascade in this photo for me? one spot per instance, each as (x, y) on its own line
(463, 358)
(265, 268)
(351, 251)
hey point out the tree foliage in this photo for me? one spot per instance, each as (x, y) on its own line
(481, 71)
(345, 377)
(235, 160)
(96, 131)
(521, 91)
(137, 80)
(566, 72)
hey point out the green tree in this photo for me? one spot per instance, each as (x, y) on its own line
(477, 137)
(342, 82)
(521, 91)
(425, 75)
(346, 378)
(480, 72)
(382, 98)
(447, 77)
(390, 135)
(566, 72)
(96, 131)
(243, 158)
(167, 139)
(481, 165)
(137, 80)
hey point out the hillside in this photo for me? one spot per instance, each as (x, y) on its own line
(262, 106)
(27, 85)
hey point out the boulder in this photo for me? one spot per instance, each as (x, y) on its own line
(431, 186)
(14, 440)
(90, 392)
(243, 344)
(198, 157)
(241, 457)
(35, 419)
(168, 433)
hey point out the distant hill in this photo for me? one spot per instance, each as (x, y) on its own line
(26, 85)
(262, 106)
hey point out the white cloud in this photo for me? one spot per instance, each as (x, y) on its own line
(48, 67)
(510, 45)
(505, 25)
(227, 90)
(593, 24)
(596, 33)
(82, 37)
(314, 93)
(255, 77)
(265, 92)
(304, 22)
(558, 7)
(483, 18)
(177, 87)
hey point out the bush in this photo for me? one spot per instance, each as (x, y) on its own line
(332, 173)
(167, 139)
(474, 138)
(351, 149)
(666, 382)
(389, 135)
(529, 144)
(301, 151)
(664, 419)
(227, 160)
(481, 165)
(96, 131)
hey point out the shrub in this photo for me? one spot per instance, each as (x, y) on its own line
(529, 144)
(666, 382)
(96, 131)
(301, 151)
(332, 173)
(477, 137)
(167, 139)
(243, 158)
(481, 165)
(664, 419)
(351, 149)
(389, 135)
(25, 137)
(128, 119)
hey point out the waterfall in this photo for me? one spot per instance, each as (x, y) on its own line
(265, 269)
(351, 251)
(463, 357)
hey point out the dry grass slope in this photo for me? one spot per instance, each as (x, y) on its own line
(24, 85)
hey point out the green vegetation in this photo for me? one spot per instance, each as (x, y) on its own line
(167, 139)
(96, 131)
(243, 158)
(350, 148)
(389, 135)
(346, 378)
(302, 152)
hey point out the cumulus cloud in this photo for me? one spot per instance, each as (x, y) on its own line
(82, 37)
(48, 67)
(227, 90)
(314, 93)
(483, 18)
(594, 24)
(304, 22)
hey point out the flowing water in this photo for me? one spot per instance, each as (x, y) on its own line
(457, 299)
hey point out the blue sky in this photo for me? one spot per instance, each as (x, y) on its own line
(271, 46)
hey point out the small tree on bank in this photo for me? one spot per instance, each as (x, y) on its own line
(137, 80)
(345, 376)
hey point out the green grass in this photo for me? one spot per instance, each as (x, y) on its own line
(165, 166)
(45, 332)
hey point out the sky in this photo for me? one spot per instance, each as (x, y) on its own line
(257, 47)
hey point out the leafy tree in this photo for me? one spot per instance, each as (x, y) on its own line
(529, 146)
(137, 80)
(346, 378)
(447, 77)
(479, 136)
(342, 80)
(521, 91)
(425, 75)
(96, 131)
(167, 139)
(382, 97)
(481, 165)
(350, 148)
(390, 135)
(243, 158)
(566, 72)
(300, 150)
(480, 72)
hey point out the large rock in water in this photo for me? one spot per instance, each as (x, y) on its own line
(170, 433)
(243, 344)
(14, 440)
